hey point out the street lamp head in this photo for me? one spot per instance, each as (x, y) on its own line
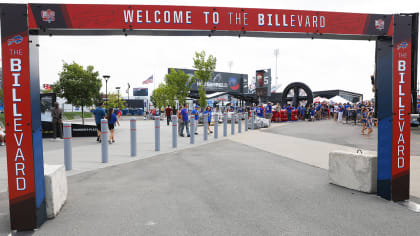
(106, 77)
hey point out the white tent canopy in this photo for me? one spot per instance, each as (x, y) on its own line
(339, 99)
(321, 100)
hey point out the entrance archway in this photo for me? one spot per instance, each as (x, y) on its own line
(396, 64)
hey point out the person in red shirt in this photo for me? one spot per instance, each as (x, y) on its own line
(168, 113)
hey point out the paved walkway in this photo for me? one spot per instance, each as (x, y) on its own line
(246, 184)
(233, 189)
(306, 142)
(87, 152)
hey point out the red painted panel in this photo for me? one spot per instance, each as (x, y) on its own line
(17, 107)
(401, 108)
(78, 16)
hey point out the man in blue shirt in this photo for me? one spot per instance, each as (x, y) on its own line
(99, 114)
(302, 112)
(184, 121)
(318, 111)
(269, 111)
(289, 112)
(196, 115)
(260, 111)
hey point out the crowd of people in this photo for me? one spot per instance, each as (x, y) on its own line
(362, 113)
(184, 119)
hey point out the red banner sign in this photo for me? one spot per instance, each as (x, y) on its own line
(401, 108)
(133, 17)
(18, 125)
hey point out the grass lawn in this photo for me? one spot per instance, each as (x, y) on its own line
(76, 115)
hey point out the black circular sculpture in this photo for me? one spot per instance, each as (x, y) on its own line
(297, 92)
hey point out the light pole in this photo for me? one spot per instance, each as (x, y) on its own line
(128, 93)
(276, 53)
(118, 90)
(230, 66)
(106, 77)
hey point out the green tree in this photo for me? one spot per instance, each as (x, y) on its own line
(115, 101)
(178, 86)
(78, 85)
(159, 97)
(204, 71)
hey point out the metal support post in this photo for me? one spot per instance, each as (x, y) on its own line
(104, 137)
(205, 126)
(174, 130)
(225, 124)
(252, 119)
(216, 127)
(157, 133)
(133, 137)
(232, 124)
(246, 121)
(67, 146)
(192, 129)
(239, 123)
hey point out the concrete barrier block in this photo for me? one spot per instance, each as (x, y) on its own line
(55, 188)
(353, 170)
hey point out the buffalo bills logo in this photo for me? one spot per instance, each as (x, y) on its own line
(233, 83)
(380, 24)
(15, 40)
(48, 15)
(402, 45)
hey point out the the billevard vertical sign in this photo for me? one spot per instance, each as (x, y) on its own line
(401, 108)
(17, 107)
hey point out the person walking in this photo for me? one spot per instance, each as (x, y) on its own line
(335, 112)
(312, 111)
(57, 115)
(99, 114)
(179, 116)
(289, 112)
(369, 123)
(208, 112)
(340, 113)
(364, 120)
(184, 121)
(168, 113)
(112, 119)
(195, 112)
(269, 111)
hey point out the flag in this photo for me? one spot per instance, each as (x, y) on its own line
(149, 80)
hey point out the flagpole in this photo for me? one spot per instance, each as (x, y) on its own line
(153, 76)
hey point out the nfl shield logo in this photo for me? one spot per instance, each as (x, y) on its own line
(379, 24)
(48, 15)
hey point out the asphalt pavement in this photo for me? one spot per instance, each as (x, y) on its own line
(222, 188)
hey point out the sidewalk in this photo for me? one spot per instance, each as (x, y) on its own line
(314, 153)
(86, 152)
